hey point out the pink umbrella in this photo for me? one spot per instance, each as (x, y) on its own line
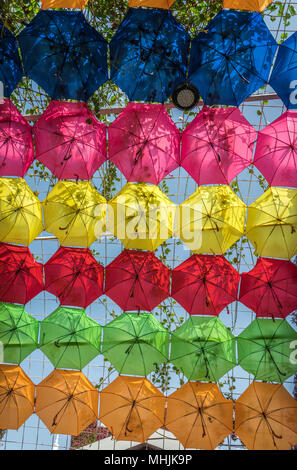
(144, 143)
(217, 145)
(276, 151)
(16, 143)
(70, 141)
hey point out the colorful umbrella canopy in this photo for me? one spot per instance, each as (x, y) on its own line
(80, 4)
(166, 4)
(70, 141)
(252, 5)
(203, 349)
(135, 344)
(149, 54)
(132, 408)
(205, 284)
(21, 277)
(75, 213)
(11, 70)
(137, 280)
(144, 143)
(18, 333)
(73, 275)
(17, 393)
(232, 58)
(266, 417)
(63, 54)
(69, 338)
(269, 289)
(272, 223)
(66, 402)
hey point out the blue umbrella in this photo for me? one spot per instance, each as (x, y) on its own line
(11, 70)
(149, 54)
(232, 58)
(64, 54)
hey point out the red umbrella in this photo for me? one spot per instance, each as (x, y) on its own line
(269, 289)
(217, 145)
(205, 284)
(21, 277)
(73, 275)
(144, 143)
(137, 280)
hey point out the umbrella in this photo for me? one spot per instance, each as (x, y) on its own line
(63, 54)
(253, 5)
(141, 216)
(73, 275)
(135, 344)
(166, 4)
(272, 223)
(18, 333)
(75, 213)
(205, 284)
(203, 349)
(20, 212)
(217, 145)
(269, 289)
(16, 396)
(69, 338)
(211, 219)
(276, 151)
(79, 4)
(144, 143)
(264, 349)
(149, 54)
(11, 70)
(132, 408)
(66, 402)
(232, 58)
(137, 280)
(266, 417)
(16, 143)
(70, 141)
(21, 277)
(199, 415)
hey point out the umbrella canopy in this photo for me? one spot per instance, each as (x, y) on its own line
(264, 350)
(205, 284)
(18, 333)
(66, 402)
(70, 141)
(199, 415)
(69, 338)
(166, 4)
(144, 143)
(272, 223)
(11, 70)
(21, 277)
(252, 5)
(203, 349)
(269, 289)
(232, 58)
(135, 344)
(149, 54)
(266, 417)
(64, 54)
(137, 280)
(17, 393)
(75, 213)
(73, 275)
(79, 4)
(132, 408)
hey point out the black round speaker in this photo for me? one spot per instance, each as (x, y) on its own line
(185, 96)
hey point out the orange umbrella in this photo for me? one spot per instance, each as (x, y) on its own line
(80, 4)
(66, 402)
(16, 396)
(252, 5)
(165, 4)
(266, 417)
(132, 408)
(199, 416)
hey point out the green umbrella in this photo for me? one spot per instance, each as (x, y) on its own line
(264, 349)
(135, 344)
(203, 349)
(69, 338)
(18, 333)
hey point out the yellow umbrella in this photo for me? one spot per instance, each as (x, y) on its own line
(252, 5)
(165, 4)
(20, 212)
(272, 223)
(75, 212)
(80, 4)
(211, 220)
(141, 216)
